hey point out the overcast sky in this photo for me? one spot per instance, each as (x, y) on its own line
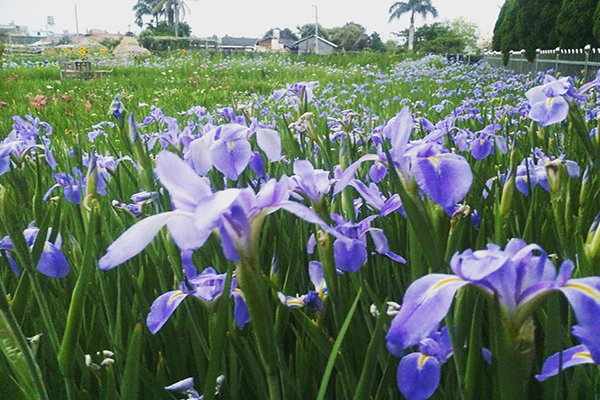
(250, 18)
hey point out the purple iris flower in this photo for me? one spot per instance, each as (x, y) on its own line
(571, 357)
(25, 137)
(312, 182)
(376, 200)
(303, 91)
(313, 300)
(227, 149)
(443, 176)
(52, 263)
(419, 373)
(186, 386)
(98, 130)
(197, 211)
(549, 101)
(519, 278)
(117, 109)
(207, 286)
(483, 144)
(350, 249)
(530, 173)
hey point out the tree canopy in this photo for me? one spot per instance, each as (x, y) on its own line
(546, 24)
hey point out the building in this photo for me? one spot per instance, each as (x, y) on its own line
(14, 30)
(275, 43)
(315, 44)
(231, 44)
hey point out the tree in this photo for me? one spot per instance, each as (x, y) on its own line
(438, 38)
(143, 8)
(412, 7)
(283, 34)
(574, 24)
(547, 23)
(172, 10)
(531, 34)
(350, 37)
(375, 42)
(597, 23)
(467, 31)
(307, 30)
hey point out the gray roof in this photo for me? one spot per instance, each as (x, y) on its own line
(320, 40)
(241, 42)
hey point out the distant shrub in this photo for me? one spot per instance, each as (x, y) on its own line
(172, 43)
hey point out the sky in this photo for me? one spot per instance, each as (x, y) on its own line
(249, 18)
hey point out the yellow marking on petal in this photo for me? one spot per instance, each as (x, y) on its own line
(583, 354)
(435, 288)
(174, 296)
(587, 290)
(550, 101)
(421, 361)
(434, 161)
(230, 144)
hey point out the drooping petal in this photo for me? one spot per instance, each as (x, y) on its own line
(425, 304)
(349, 254)
(308, 215)
(571, 357)
(181, 386)
(162, 308)
(418, 376)
(445, 178)
(315, 271)
(382, 247)
(231, 157)
(134, 240)
(584, 296)
(269, 141)
(240, 310)
(53, 262)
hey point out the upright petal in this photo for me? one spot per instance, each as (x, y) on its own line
(184, 185)
(240, 309)
(162, 308)
(418, 376)
(425, 304)
(269, 141)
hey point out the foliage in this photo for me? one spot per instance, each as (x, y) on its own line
(597, 23)
(307, 30)
(286, 33)
(412, 7)
(575, 23)
(95, 342)
(545, 24)
(172, 43)
(163, 29)
(375, 42)
(350, 37)
(467, 30)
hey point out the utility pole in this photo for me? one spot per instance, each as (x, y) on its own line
(316, 29)
(76, 24)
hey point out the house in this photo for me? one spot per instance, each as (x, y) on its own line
(274, 43)
(315, 44)
(231, 44)
(14, 30)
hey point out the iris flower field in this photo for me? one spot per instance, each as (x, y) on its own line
(273, 227)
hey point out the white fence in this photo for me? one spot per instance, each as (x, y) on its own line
(583, 63)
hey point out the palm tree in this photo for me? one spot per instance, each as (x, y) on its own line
(414, 7)
(172, 10)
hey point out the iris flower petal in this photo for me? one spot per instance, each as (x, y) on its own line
(269, 141)
(571, 357)
(425, 304)
(162, 308)
(418, 376)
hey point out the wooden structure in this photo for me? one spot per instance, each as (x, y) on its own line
(80, 69)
